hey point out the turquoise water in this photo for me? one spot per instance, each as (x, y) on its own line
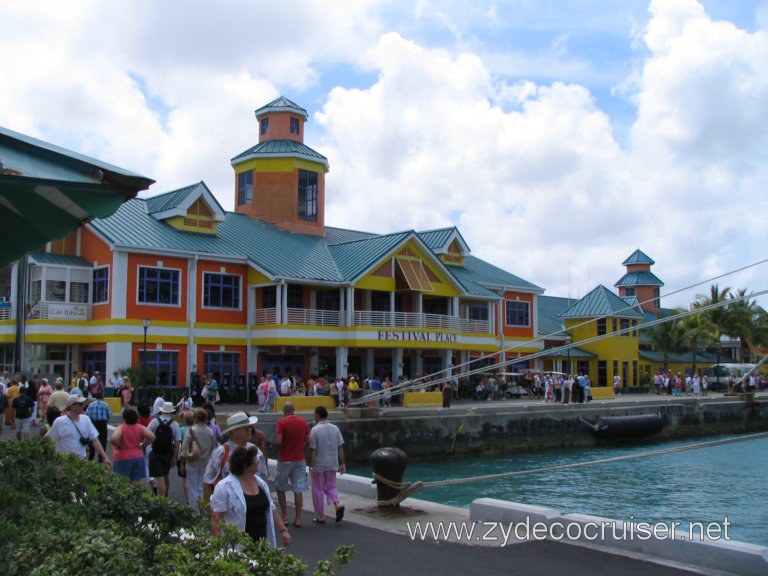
(703, 485)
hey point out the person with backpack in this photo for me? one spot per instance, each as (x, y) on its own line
(23, 410)
(164, 447)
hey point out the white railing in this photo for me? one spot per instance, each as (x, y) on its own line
(60, 311)
(415, 320)
(6, 312)
(312, 317)
(265, 316)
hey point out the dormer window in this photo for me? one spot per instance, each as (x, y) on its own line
(264, 125)
(294, 125)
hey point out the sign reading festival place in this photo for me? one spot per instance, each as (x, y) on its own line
(414, 336)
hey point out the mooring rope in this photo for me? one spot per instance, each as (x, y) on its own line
(412, 487)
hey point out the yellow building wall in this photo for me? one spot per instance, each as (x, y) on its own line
(617, 348)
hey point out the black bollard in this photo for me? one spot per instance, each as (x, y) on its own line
(388, 463)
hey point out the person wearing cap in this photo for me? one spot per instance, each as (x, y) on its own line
(73, 431)
(238, 428)
(161, 462)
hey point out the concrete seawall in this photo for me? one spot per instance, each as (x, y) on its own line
(499, 427)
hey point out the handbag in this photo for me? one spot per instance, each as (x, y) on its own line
(193, 450)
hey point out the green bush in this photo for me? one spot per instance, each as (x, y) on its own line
(62, 515)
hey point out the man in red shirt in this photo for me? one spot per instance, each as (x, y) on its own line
(292, 436)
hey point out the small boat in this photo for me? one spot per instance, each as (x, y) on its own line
(624, 427)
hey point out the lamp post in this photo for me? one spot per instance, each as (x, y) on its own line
(145, 323)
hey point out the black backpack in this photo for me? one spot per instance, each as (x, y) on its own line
(23, 408)
(163, 443)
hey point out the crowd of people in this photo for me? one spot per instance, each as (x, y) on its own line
(224, 471)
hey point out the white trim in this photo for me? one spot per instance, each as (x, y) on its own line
(223, 308)
(119, 289)
(159, 266)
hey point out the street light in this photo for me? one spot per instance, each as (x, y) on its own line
(145, 323)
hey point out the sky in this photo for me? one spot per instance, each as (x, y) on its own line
(559, 136)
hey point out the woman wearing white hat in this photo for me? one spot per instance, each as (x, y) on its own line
(238, 427)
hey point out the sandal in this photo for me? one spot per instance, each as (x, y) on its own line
(339, 513)
(318, 520)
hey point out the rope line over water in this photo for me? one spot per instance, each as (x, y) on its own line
(411, 487)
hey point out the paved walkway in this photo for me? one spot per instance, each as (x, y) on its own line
(383, 545)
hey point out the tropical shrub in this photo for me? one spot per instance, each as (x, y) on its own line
(62, 515)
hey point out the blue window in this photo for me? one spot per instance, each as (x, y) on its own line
(307, 196)
(94, 361)
(294, 125)
(100, 285)
(158, 286)
(245, 188)
(221, 291)
(162, 367)
(518, 313)
(224, 365)
(264, 125)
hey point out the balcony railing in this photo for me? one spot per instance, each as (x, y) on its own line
(415, 320)
(60, 311)
(313, 317)
(6, 311)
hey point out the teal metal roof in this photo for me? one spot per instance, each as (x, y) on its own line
(355, 257)
(278, 149)
(281, 104)
(638, 257)
(437, 240)
(485, 274)
(601, 302)
(684, 357)
(639, 279)
(45, 258)
(549, 309)
(574, 352)
(169, 200)
(341, 256)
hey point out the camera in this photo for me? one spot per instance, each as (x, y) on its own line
(85, 441)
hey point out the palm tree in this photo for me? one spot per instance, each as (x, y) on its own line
(719, 317)
(698, 330)
(669, 337)
(749, 323)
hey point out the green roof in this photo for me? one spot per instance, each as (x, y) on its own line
(549, 309)
(684, 357)
(601, 302)
(341, 256)
(282, 104)
(169, 200)
(639, 279)
(438, 240)
(638, 257)
(44, 258)
(280, 149)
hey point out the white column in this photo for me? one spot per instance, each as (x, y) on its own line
(192, 292)
(445, 361)
(118, 356)
(397, 365)
(464, 358)
(455, 308)
(279, 316)
(350, 308)
(250, 317)
(342, 361)
(314, 360)
(117, 286)
(284, 303)
(491, 319)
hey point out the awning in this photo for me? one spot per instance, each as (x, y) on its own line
(47, 191)
(414, 273)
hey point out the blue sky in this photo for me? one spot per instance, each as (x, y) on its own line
(559, 136)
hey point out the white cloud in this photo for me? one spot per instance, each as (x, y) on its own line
(531, 172)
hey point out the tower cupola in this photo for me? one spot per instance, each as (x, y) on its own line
(640, 282)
